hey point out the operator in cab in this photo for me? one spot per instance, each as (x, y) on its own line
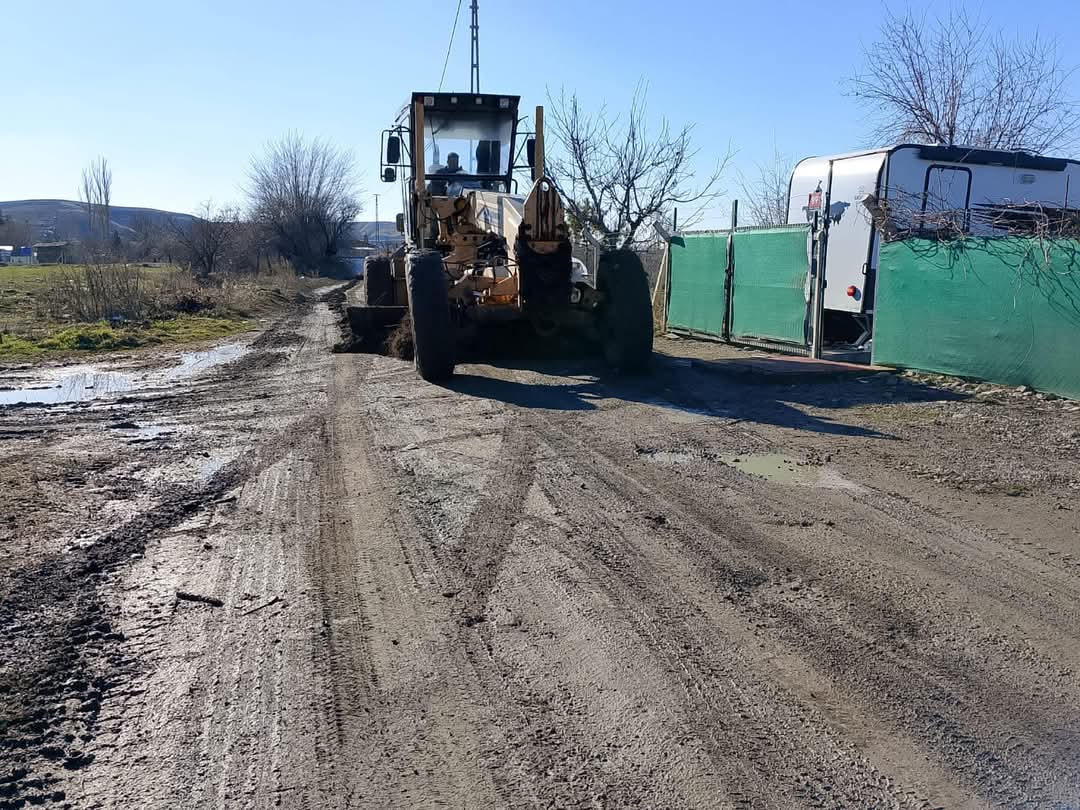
(453, 166)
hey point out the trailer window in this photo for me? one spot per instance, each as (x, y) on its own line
(946, 195)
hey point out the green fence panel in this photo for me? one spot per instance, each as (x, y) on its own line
(768, 296)
(698, 264)
(1004, 310)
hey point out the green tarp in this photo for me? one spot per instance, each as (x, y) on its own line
(768, 298)
(698, 263)
(1004, 310)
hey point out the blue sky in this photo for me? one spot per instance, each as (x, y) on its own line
(179, 96)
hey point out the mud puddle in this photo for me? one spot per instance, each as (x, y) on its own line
(134, 432)
(192, 363)
(776, 467)
(787, 470)
(85, 383)
(74, 386)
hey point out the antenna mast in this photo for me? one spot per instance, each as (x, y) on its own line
(474, 79)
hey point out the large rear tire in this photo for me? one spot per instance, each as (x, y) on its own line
(429, 308)
(378, 282)
(625, 318)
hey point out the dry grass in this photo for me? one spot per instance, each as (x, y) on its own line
(97, 307)
(97, 292)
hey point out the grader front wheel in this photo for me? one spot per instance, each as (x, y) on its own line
(626, 326)
(378, 283)
(429, 310)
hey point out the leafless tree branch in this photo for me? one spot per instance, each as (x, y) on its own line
(764, 196)
(954, 81)
(305, 194)
(203, 240)
(616, 174)
(96, 193)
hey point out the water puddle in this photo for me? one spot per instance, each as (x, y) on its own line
(141, 433)
(786, 470)
(774, 467)
(770, 466)
(210, 467)
(80, 385)
(85, 383)
(191, 363)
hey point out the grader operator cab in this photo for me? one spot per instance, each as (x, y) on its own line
(476, 252)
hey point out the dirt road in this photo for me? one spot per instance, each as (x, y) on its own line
(305, 579)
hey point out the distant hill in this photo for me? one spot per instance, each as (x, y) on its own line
(66, 219)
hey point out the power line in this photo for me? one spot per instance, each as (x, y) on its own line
(453, 31)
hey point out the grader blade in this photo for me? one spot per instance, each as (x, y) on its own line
(372, 325)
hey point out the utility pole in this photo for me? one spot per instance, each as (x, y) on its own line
(474, 78)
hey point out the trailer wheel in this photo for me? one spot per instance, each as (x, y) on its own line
(625, 317)
(378, 283)
(429, 308)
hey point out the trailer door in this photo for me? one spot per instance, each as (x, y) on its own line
(847, 265)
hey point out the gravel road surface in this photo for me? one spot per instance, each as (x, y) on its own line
(285, 577)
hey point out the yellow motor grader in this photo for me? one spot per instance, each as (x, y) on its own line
(477, 252)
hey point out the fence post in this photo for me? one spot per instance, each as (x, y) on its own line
(663, 282)
(817, 270)
(729, 273)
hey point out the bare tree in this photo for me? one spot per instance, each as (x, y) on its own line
(146, 238)
(96, 194)
(764, 195)
(305, 194)
(617, 176)
(248, 246)
(954, 81)
(204, 240)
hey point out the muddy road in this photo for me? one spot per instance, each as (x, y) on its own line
(292, 578)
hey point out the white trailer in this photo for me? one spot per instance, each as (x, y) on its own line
(969, 183)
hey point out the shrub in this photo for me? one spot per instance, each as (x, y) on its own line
(96, 292)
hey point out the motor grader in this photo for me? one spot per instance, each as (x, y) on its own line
(477, 252)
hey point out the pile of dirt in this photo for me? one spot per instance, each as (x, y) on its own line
(399, 343)
(255, 361)
(276, 339)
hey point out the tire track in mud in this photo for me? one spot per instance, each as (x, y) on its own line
(548, 738)
(540, 762)
(545, 741)
(490, 530)
(58, 632)
(54, 624)
(413, 717)
(876, 667)
(765, 741)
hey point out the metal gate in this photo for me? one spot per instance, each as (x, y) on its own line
(747, 285)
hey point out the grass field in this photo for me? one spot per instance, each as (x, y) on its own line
(34, 322)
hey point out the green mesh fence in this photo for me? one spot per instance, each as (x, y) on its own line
(768, 297)
(696, 302)
(1002, 310)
